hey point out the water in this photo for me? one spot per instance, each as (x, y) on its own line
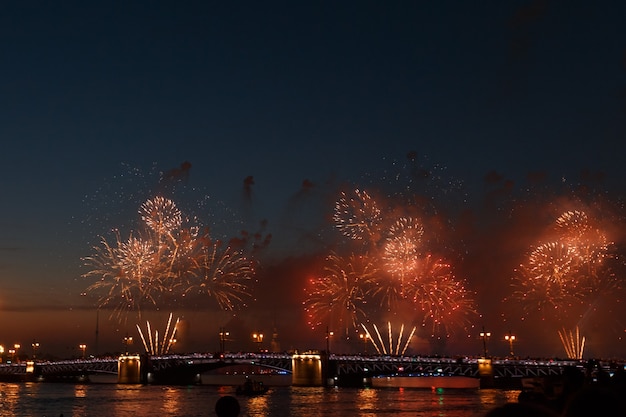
(112, 400)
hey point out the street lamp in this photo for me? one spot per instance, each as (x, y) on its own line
(128, 340)
(329, 334)
(258, 338)
(35, 347)
(510, 338)
(364, 337)
(12, 353)
(1, 353)
(485, 335)
(83, 347)
(223, 335)
(17, 347)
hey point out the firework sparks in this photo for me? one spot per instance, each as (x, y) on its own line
(389, 349)
(572, 343)
(403, 247)
(576, 230)
(222, 273)
(338, 295)
(166, 260)
(443, 300)
(564, 272)
(154, 345)
(161, 215)
(549, 279)
(573, 221)
(407, 279)
(553, 262)
(358, 216)
(128, 275)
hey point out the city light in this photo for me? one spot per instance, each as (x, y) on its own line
(365, 338)
(258, 339)
(16, 348)
(83, 348)
(485, 336)
(128, 340)
(223, 336)
(510, 338)
(329, 334)
(35, 346)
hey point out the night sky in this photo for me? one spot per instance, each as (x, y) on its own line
(254, 116)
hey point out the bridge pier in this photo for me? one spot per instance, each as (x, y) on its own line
(309, 369)
(129, 370)
(485, 373)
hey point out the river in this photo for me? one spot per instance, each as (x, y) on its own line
(112, 400)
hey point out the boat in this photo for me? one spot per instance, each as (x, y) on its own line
(426, 381)
(252, 387)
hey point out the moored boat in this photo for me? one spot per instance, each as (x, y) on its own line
(252, 387)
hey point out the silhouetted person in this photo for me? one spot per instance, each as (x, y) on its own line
(595, 401)
(227, 406)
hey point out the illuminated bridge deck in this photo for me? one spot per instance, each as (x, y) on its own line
(338, 365)
(504, 368)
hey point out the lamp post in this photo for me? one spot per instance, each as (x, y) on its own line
(17, 347)
(364, 337)
(35, 347)
(83, 348)
(510, 338)
(485, 335)
(12, 353)
(223, 335)
(128, 340)
(1, 353)
(258, 338)
(329, 334)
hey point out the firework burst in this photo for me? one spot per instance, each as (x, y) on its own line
(573, 222)
(128, 274)
(221, 273)
(564, 273)
(553, 262)
(161, 215)
(358, 217)
(549, 279)
(402, 248)
(407, 278)
(590, 243)
(442, 299)
(164, 261)
(338, 295)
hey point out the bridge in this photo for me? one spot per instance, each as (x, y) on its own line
(313, 368)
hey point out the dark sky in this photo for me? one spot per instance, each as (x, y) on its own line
(99, 98)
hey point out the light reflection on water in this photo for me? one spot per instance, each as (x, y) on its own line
(80, 394)
(366, 402)
(9, 397)
(171, 401)
(94, 400)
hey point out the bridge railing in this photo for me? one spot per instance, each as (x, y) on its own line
(343, 364)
